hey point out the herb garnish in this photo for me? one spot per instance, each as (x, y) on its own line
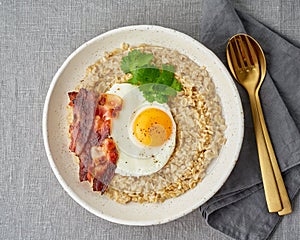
(155, 83)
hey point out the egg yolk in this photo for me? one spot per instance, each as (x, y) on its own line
(152, 127)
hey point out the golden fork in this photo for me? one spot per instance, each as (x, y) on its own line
(249, 71)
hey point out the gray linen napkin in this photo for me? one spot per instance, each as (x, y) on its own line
(239, 208)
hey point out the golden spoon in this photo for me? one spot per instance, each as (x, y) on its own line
(248, 65)
(286, 204)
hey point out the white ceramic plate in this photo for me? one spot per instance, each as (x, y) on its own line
(55, 127)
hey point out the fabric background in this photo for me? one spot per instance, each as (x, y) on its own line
(36, 37)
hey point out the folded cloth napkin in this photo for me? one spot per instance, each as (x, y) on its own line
(239, 208)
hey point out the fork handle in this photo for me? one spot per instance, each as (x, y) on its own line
(268, 178)
(287, 208)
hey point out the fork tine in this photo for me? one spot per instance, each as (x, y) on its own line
(245, 50)
(233, 56)
(239, 53)
(252, 53)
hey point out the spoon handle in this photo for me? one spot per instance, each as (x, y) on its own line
(268, 178)
(287, 208)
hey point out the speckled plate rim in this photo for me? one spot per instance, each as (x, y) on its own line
(55, 127)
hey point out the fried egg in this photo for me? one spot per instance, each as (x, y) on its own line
(144, 132)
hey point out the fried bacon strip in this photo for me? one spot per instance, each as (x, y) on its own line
(90, 136)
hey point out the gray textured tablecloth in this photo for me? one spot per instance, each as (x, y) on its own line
(36, 37)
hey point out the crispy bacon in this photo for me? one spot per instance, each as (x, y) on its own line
(90, 136)
(85, 105)
(106, 163)
(72, 96)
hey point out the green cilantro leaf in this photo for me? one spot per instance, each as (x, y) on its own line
(166, 75)
(176, 85)
(134, 60)
(157, 92)
(170, 91)
(156, 84)
(146, 74)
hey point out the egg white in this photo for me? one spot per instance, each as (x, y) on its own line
(136, 159)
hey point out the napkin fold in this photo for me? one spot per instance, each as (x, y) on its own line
(239, 208)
